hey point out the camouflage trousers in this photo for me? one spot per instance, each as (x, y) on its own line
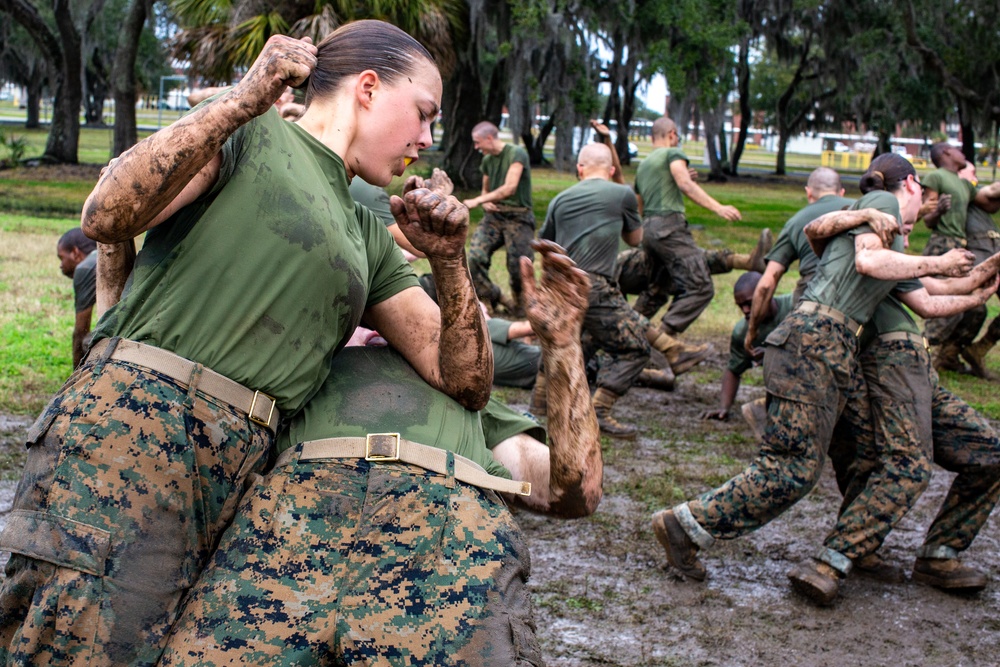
(615, 327)
(634, 271)
(130, 480)
(811, 374)
(910, 406)
(513, 230)
(346, 562)
(679, 269)
(960, 329)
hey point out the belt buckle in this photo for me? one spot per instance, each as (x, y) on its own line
(382, 447)
(993, 235)
(253, 404)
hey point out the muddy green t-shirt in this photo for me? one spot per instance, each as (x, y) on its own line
(792, 243)
(501, 422)
(265, 277)
(656, 185)
(374, 197)
(515, 363)
(495, 168)
(740, 360)
(837, 283)
(891, 315)
(588, 219)
(944, 182)
(374, 390)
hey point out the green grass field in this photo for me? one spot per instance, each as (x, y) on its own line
(36, 300)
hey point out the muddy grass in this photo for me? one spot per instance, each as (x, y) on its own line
(605, 596)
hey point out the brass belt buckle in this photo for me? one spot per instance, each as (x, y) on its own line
(382, 447)
(253, 405)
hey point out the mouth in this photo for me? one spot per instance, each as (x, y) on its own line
(407, 161)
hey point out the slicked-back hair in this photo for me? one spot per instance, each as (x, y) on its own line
(361, 45)
(886, 172)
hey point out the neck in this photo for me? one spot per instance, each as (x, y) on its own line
(334, 124)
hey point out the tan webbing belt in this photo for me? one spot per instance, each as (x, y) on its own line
(904, 335)
(832, 313)
(258, 407)
(389, 447)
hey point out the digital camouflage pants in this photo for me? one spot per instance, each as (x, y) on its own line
(346, 562)
(679, 269)
(130, 480)
(512, 230)
(960, 329)
(615, 327)
(811, 374)
(634, 270)
(910, 405)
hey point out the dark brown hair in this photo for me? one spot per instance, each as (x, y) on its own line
(361, 45)
(886, 172)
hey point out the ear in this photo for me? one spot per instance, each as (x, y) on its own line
(367, 87)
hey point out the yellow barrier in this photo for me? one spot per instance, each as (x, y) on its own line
(836, 160)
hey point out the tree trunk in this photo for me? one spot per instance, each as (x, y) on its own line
(883, 145)
(743, 88)
(33, 103)
(783, 136)
(461, 101)
(64, 134)
(123, 83)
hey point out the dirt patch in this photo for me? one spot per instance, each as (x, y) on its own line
(605, 596)
(54, 172)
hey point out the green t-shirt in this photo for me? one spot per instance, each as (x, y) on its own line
(656, 185)
(374, 197)
(891, 315)
(740, 360)
(374, 390)
(588, 219)
(515, 364)
(501, 422)
(978, 224)
(944, 182)
(85, 283)
(837, 283)
(268, 274)
(495, 168)
(792, 243)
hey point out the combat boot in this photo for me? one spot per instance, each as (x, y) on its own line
(680, 356)
(816, 580)
(755, 260)
(603, 401)
(682, 552)
(976, 353)
(946, 359)
(948, 574)
(655, 378)
(539, 397)
(755, 412)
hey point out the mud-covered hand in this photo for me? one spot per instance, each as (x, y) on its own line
(943, 204)
(885, 226)
(436, 225)
(716, 413)
(555, 307)
(957, 262)
(284, 61)
(439, 182)
(601, 130)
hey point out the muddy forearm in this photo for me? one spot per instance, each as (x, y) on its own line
(142, 181)
(114, 264)
(576, 467)
(465, 357)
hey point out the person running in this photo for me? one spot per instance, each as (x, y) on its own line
(508, 219)
(255, 270)
(78, 261)
(811, 371)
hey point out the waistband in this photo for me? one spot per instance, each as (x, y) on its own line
(832, 313)
(389, 447)
(507, 208)
(258, 407)
(914, 338)
(984, 235)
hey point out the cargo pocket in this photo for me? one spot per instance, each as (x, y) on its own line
(57, 540)
(794, 376)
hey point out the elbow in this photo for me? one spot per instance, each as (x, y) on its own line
(474, 397)
(578, 503)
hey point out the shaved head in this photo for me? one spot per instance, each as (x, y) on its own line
(594, 155)
(485, 129)
(824, 180)
(662, 126)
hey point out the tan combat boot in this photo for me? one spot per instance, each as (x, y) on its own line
(655, 378)
(755, 412)
(682, 552)
(680, 356)
(604, 400)
(948, 574)
(976, 353)
(539, 397)
(816, 580)
(755, 260)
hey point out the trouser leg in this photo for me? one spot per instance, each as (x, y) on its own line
(485, 241)
(620, 331)
(692, 288)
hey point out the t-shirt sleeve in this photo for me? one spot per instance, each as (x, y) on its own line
(630, 211)
(932, 181)
(521, 155)
(783, 252)
(388, 272)
(548, 230)
(235, 147)
(739, 359)
(501, 422)
(499, 330)
(84, 288)
(677, 154)
(909, 285)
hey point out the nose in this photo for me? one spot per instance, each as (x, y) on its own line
(425, 139)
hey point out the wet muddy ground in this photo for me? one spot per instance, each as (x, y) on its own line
(604, 594)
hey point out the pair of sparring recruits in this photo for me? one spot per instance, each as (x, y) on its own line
(813, 375)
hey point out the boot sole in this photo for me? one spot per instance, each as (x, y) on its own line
(968, 585)
(688, 364)
(621, 436)
(803, 584)
(663, 537)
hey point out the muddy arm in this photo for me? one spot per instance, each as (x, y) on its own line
(825, 227)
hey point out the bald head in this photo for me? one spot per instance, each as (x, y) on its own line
(594, 161)
(824, 181)
(663, 126)
(485, 130)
